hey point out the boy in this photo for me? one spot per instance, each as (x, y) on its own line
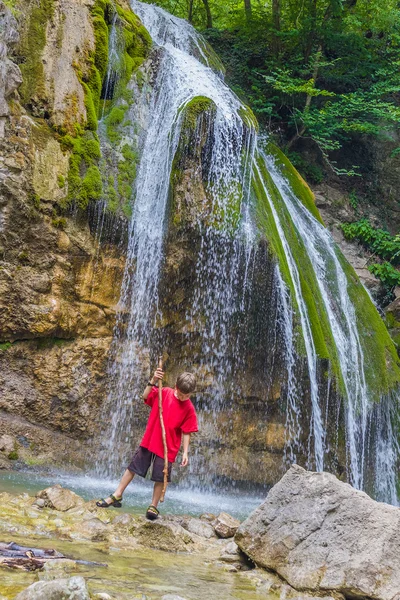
(179, 419)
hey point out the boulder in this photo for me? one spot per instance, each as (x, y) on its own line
(323, 536)
(225, 526)
(199, 528)
(59, 589)
(58, 498)
(160, 535)
(91, 529)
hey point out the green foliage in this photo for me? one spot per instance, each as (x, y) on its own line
(5, 346)
(387, 273)
(61, 181)
(382, 244)
(378, 241)
(13, 455)
(313, 173)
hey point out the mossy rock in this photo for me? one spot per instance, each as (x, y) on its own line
(381, 362)
(33, 41)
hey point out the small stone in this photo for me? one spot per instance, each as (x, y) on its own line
(102, 596)
(172, 597)
(5, 463)
(39, 502)
(7, 444)
(225, 526)
(58, 522)
(208, 517)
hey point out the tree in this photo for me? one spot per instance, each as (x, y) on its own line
(208, 14)
(276, 20)
(247, 8)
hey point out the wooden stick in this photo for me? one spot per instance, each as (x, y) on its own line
(164, 436)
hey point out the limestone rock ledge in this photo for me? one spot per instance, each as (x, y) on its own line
(323, 536)
(58, 287)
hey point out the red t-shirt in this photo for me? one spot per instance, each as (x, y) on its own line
(179, 417)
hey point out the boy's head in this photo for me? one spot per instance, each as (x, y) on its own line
(185, 385)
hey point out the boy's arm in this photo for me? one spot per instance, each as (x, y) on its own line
(186, 442)
(158, 374)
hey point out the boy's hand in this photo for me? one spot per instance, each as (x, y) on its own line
(158, 374)
(185, 459)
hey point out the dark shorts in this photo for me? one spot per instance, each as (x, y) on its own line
(142, 461)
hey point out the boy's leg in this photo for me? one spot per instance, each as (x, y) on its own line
(158, 486)
(123, 484)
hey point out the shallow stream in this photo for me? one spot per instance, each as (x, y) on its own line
(143, 574)
(137, 496)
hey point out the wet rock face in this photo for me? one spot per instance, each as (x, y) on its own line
(10, 74)
(58, 289)
(323, 536)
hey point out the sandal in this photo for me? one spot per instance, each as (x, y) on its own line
(152, 513)
(116, 502)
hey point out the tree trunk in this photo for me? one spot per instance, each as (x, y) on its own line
(312, 31)
(276, 20)
(247, 8)
(190, 14)
(307, 105)
(208, 13)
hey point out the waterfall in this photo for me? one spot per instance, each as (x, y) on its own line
(180, 78)
(225, 271)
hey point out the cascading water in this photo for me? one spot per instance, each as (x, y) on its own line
(181, 77)
(225, 270)
(333, 285)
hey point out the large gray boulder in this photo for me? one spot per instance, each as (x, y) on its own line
(59, 589)
(324, 536)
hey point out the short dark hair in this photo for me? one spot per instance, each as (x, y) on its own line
(186, 383)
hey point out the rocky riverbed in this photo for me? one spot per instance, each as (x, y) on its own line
(146, 560)
(313, 537)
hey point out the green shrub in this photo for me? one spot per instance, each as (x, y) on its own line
(388, 274)
(378, 241)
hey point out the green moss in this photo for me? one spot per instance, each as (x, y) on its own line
(5, 346)
(84, 179)
(193, 110)
(59, 222)
(248, 117)
(297, 183)
(113, 119)
(321, 330)
(61, 181)
(92, 185)
(13, 455)
(381, 362)
(33, 41)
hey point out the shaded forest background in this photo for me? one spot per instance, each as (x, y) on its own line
(322, 77)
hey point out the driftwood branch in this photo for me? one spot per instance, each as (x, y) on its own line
(24, 558)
